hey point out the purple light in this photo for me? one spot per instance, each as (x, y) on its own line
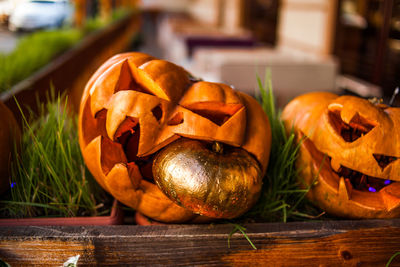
(371, 189)
(13, 184)
(387, 182)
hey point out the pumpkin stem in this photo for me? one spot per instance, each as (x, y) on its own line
(395, 93)
(375, 101)
(217, 147)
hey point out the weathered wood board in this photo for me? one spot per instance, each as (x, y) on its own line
(327, 243)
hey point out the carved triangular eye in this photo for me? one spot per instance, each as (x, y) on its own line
(126, 81)
(356, 128)
(383, 160)
(216, 112)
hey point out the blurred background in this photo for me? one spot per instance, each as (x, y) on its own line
(343, 46)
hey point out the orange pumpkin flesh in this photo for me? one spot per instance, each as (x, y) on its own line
(349, 151)
(134, 105)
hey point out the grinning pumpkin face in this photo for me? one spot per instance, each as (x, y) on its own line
(135, 104)
(350, 150)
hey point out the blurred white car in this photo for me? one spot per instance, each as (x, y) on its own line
(40, 14)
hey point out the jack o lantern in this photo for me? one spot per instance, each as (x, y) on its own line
(349, 153)
(9, 133)
(135, 105)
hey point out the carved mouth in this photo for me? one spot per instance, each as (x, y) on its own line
(354, 180)
(346, 192)
(362, 182)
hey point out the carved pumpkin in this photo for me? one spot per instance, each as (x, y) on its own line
(135, 104)
(9, 133)
(349, 152)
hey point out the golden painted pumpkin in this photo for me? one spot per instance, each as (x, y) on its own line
(349, 152)
(208, 179)
(135, 104)
(9, 133)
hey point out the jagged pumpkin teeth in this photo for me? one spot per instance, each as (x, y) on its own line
(135, 105)
(335, 164)
(361, 141)
(345, 188)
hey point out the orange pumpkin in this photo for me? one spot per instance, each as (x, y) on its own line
(349, 151)
(135, 104)
(9, 133)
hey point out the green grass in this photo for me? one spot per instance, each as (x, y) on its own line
(392, 258)
(33, 52)
(283, 196)
(96, 22)
(242, 230)
(93, 24)
(49, 177)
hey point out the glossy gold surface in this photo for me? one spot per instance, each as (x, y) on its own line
(218, 185)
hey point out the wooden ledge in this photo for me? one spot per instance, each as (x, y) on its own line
(327, 243)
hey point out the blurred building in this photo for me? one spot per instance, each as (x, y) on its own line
(308, 44)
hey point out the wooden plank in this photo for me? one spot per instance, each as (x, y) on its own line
(330, 243)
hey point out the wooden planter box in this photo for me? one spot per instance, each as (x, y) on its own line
(327, 243)
(115, 217)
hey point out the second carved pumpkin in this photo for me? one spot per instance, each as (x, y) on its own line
(349, 153)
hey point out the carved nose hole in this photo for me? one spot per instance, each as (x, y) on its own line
(383, 160)
(157, 112)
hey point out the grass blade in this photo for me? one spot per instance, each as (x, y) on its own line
(283, 194)
(241, 229)
(392, 258)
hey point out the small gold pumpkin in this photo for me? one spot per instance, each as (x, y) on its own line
(208, 179)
